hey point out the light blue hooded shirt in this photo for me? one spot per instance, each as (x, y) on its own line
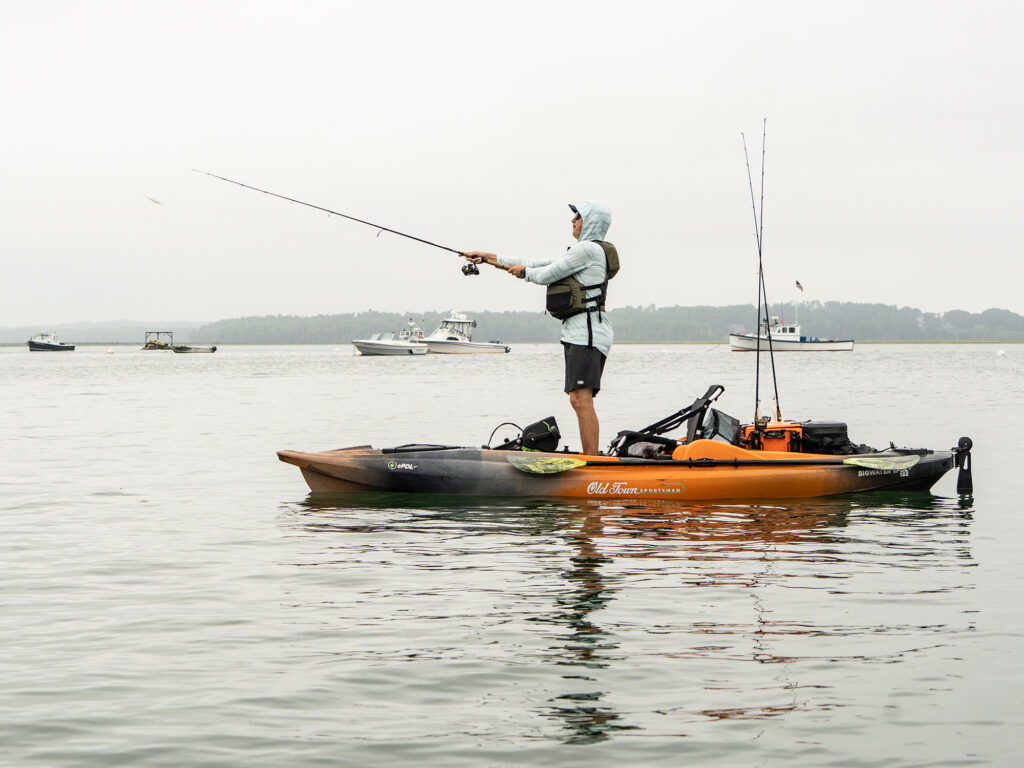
(586, 261)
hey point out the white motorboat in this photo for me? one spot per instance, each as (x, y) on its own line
(786, 337)
(408, 341)
(455, 337)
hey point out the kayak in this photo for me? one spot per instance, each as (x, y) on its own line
(718, 459)
(710, 471)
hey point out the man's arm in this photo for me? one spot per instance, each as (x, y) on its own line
(509, 264)
(511, 261)
(575, 259)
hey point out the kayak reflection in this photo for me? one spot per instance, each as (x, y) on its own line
(732, 559)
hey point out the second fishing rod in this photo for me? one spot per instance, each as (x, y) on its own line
(467, 269)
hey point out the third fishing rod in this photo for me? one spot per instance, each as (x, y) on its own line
(467, 269)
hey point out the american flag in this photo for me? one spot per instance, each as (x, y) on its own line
(798, 285)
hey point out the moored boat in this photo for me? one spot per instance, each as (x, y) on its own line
(186, 349)
(455, 337)
(786, 337)
(159, 340)
(718, 459)
(408, 341)
(48, 342)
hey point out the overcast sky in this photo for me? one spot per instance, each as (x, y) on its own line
(894, 152)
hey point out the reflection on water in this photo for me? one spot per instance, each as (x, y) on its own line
(708, 589)
(585, 644)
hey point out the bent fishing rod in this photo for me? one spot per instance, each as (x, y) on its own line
(467, 269)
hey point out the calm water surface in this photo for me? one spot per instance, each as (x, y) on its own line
(171, 595)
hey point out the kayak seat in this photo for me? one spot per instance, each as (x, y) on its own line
(649, 441)
(721, 427)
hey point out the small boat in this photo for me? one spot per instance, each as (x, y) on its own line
(786, 337)
(164, 340)
(718, 459)
(48, 342)
(408, 341)
(455, 337)
(160, 340)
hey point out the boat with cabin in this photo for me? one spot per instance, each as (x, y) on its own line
(455, 337)
(785, 337)
(408, 341)
(48, 342)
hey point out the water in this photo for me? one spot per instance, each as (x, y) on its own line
(172, 596)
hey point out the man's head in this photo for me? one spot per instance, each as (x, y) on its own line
(591, 220)
(577, 222)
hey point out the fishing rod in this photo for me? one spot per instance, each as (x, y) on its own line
(761, 291)
(764, 290)
(467, 269)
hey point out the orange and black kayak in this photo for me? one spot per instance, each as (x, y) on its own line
(705, 470)
(718, 459)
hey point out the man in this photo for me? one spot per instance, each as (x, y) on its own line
(577, 284)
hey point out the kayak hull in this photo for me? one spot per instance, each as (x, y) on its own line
(485, 472)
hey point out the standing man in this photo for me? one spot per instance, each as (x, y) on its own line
(577, 286)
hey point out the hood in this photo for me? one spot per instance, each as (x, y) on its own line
(596, 220)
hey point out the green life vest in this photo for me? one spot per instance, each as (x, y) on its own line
(568, 297)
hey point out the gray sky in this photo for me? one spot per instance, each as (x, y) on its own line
(894, 155)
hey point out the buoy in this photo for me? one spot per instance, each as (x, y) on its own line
(1001, 353)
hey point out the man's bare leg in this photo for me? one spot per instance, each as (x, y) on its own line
(582, 401)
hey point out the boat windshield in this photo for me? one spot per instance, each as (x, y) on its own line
(459, 327)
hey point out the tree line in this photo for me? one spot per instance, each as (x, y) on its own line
(842, 320)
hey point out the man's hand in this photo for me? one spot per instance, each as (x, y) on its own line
(481, 257)
(518, 270)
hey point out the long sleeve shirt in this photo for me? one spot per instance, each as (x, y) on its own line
(586, 261)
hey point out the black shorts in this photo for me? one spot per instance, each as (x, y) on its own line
(583, 367)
